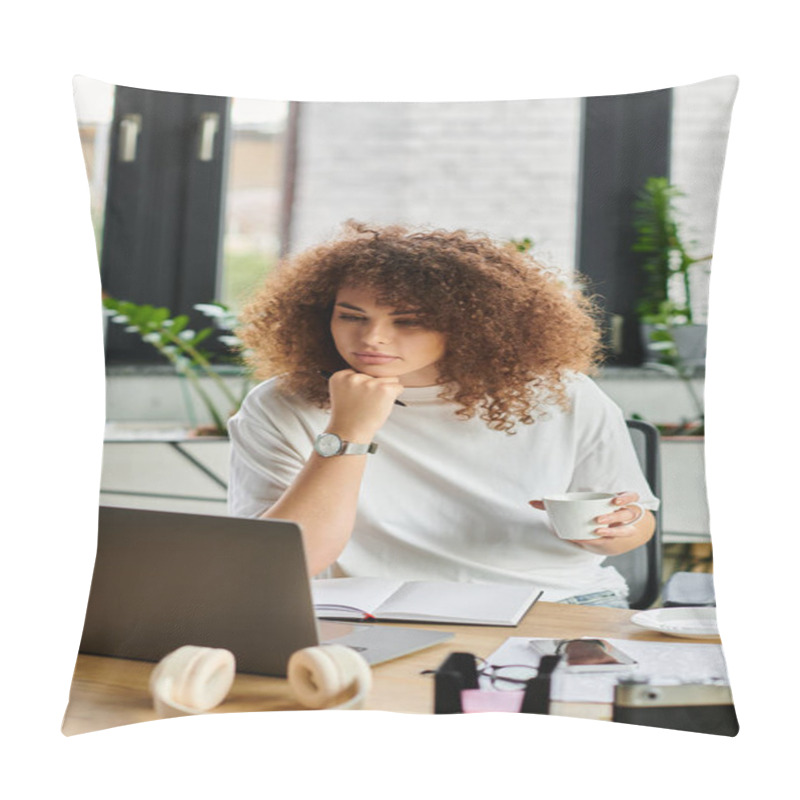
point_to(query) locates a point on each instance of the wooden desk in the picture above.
(107, 692)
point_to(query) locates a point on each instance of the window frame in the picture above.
(164, 211)
(625, 139)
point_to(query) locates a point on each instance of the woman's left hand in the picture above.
(616, 526)
(621, 522)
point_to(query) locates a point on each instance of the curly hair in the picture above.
(513, 327)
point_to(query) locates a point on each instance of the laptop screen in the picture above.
(164, 579)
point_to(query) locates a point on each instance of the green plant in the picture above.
(666, 300)
(666, 264)
(179, 344)
(523, 245)
(665, 259)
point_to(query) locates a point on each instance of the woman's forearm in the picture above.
(323, 501)
(324, 496)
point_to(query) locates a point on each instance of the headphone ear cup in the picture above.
(192, 680)
(329, 676)
(207, 680)
(357, 676)
(314, 677)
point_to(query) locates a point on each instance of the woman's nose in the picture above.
(377, 333)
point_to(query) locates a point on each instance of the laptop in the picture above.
(163, 579)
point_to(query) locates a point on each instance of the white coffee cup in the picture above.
(574, 514)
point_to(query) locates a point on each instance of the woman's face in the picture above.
(383, 341)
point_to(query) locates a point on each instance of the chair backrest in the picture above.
(641, 567)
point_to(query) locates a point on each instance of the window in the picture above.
(186, 196)
(254, 196)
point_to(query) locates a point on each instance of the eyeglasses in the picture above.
(504, 677)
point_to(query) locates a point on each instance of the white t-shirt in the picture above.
(445, 498)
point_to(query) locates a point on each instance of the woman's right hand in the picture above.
(360, 404)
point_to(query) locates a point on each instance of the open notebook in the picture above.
(422, 601)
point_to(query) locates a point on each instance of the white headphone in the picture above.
(329, 676)
(193, 680)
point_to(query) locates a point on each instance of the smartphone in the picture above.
(585, 655)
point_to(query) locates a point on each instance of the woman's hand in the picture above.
(618, 531)
(622, 522)
(360, 404)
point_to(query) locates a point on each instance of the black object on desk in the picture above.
(459, 672)
(696, 707)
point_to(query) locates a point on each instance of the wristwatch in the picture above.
(329, 444)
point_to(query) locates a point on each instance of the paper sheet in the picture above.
(658, 661)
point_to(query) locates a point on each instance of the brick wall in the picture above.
(509, 169)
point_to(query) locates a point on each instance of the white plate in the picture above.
(686, 623)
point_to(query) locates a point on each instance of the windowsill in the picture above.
(642, 373)
(610, 372)
(167, 370)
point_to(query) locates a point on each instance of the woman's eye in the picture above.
(405, 323)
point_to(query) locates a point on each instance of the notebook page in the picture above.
(470, 602)
(361, 593)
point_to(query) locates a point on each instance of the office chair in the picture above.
(641, 567)
(689, 589)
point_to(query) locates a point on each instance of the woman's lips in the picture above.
(374, 358)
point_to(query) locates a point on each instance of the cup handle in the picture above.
(641, 513)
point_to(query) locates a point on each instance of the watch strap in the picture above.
(353, 449)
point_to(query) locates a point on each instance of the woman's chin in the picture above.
(413, 378)
(374, 371)
(387, 370)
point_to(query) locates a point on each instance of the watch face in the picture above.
(328, 444)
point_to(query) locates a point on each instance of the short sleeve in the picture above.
(606, 459)
(269, 446)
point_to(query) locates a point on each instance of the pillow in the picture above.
(196, 198)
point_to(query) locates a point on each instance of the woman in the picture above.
(459, 362)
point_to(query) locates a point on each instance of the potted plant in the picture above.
(180, 346)
(670, 334)
(675, 344)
